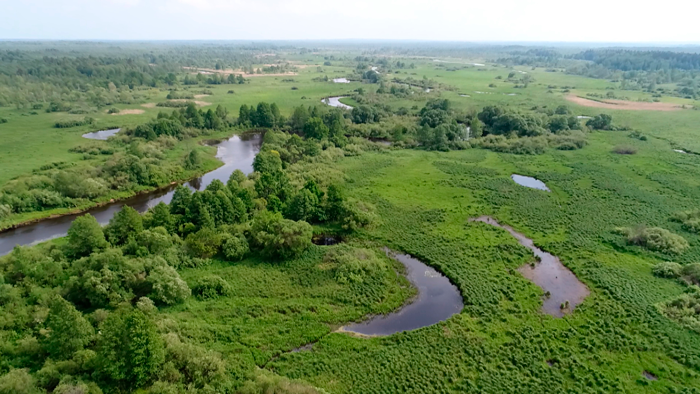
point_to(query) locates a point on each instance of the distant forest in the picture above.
(628, 60)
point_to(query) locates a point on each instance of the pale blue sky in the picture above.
(454, 20)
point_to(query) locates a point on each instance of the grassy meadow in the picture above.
(501, 342)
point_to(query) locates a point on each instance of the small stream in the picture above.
(437, 300)
(237, 153)
(563, 290)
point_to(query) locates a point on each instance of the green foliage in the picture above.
(315, 128)
(266, 383)
(74, 123)
(600, 122)
(690, 220)
(193, 161)
(67, 331)
(685, 310)
(667, 269)
(18, 381)
(358, 214)
(212, 287)
(655, 238)
(130, 349)
(204, 243)
(624, 150)
(85, 236)
(235, 247)
(277, 237)
(353, 265)
(166, 285)
(124, 224)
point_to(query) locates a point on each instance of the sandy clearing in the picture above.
(198, 102)
(149, 105)
(130, 112)
(201, 95)
(624, 105)
(236, 72)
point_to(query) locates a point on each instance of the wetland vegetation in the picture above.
(583, 277)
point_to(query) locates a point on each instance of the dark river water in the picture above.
(549, 274)
(237, 153)
(437, 300)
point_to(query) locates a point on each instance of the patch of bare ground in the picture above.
(198, 102)
(201, 95)
(196, 70)
(130, 112)
(149, 105)
(624, 105)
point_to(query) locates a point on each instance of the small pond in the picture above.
(563, 290)
(529, 182)
(437, 300)
(101, 135)
(340, 80)
(679, 151)
(335, 102)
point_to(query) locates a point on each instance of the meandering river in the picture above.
(437, 300)
(237, 153)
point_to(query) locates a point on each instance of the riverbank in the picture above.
(209, 164)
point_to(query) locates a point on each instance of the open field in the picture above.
(228, 302)
(624, 105)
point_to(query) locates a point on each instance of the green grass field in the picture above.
(501, 342)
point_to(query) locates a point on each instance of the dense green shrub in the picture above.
(277, 237)
(358, 214)
(353, 265)
(167, 287)
(235, 247)
(204, 243)
(667, 270)
(685, 310)
(211, 287)
(624, 150)
(690, 220)
(655, 238)
(74, 123)
(85, 236)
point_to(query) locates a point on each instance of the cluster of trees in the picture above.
(137, 158)
(439, 127)
(264, 115)
(654, 238)
(88, 75)
(176, 123)
(498, 120)
(214, 79)
(100, 290)
(74, 123)
(628, 60)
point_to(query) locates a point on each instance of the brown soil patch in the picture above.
(130, 112)
(201, 95)
(149, 105)
(624, 105)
